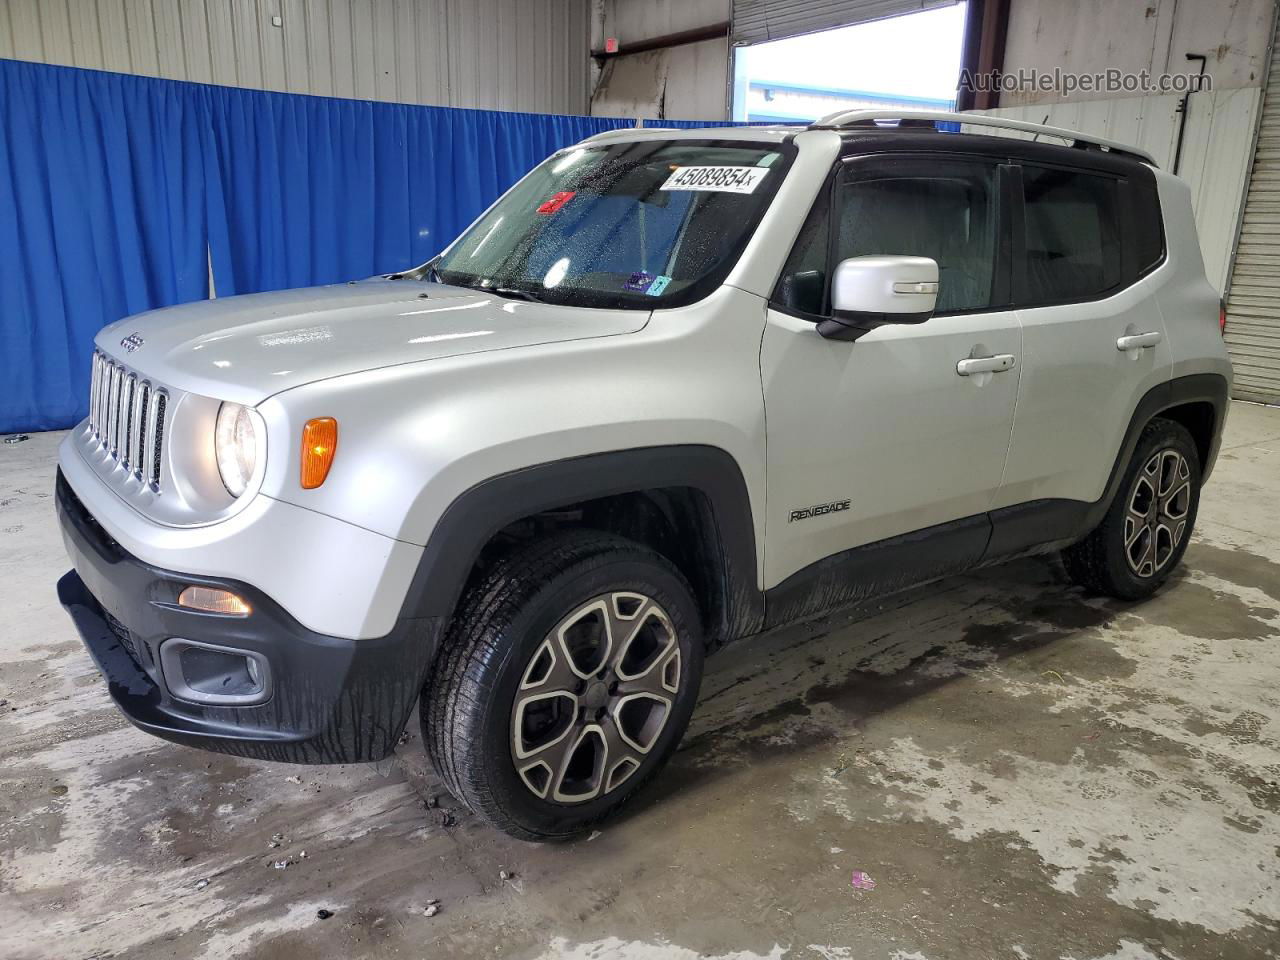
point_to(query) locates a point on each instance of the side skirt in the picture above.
(854, 576)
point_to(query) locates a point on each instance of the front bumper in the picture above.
(332, 700)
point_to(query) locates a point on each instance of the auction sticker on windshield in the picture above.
(719, 179)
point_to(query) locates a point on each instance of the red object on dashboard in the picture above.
(557, 201)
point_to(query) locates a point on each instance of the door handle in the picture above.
(1139, 341)
(997, 364)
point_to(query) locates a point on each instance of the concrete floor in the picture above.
(1023, 772)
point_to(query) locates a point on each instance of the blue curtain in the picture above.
(102, 214)
(117, 191)
(318, 190)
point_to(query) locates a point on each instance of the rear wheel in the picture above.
(1145, 532)
(567, 680)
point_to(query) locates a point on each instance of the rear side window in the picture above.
(1072, 231)
(1148, 226)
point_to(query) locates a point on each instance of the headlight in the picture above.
(235, 444)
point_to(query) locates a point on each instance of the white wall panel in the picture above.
(687, 82)
(1215, 150)
(697, 82)
(139, 24)
(499, 54)
(24, 21)
(1089, 36)
(633, 21)
(55, 29)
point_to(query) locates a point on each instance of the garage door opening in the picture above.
(910, 61)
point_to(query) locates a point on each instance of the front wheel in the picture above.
(1145, 532)
(566, 681)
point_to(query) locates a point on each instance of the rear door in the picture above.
(1094, 340)
(872, 439)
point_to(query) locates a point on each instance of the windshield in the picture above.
(642, 224)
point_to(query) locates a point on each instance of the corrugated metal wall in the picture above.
(502, 54)
(1215, 151)
(757, 21)
(1253, 307)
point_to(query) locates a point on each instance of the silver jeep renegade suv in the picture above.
(672, 389)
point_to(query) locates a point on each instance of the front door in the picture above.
(890, 434)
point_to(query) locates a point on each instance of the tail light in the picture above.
(1222, 317)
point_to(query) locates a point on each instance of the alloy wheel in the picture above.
(595, 697)
(1156, 520)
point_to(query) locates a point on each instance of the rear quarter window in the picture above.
(1148, 226)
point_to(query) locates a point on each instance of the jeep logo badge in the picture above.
(132, 342)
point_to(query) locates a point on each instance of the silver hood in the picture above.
(250, 347)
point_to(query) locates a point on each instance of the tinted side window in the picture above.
(939, 208)
(1148, 226)
(803, 285)
(1072, 235)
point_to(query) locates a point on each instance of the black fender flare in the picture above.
(1208, 388)
(476, 515)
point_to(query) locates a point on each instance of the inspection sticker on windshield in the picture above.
(719, 179)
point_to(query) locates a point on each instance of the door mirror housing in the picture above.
(867, 292)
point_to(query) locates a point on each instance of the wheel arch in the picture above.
(699, 489)
(1203, 421)
(1197, 401)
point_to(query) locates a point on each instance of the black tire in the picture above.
(506, 621)
(1115, 559)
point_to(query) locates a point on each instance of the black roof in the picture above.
(859, 140)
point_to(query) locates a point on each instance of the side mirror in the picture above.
(867, 292)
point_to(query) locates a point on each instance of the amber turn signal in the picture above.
(319, 443)
(213, 600)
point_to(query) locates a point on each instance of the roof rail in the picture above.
(623, 133)
(842, 119)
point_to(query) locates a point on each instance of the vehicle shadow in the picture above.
(872, 660)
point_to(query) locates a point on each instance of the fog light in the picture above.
(212, 600)
(207, 673)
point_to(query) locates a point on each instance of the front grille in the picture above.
(126, 415)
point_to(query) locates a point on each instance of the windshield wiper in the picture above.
(515, 294)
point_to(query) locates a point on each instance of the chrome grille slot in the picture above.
(157, 434)
(104, 385)
(113, 410)
(95, 381)
(126, 419)
(139, 455)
